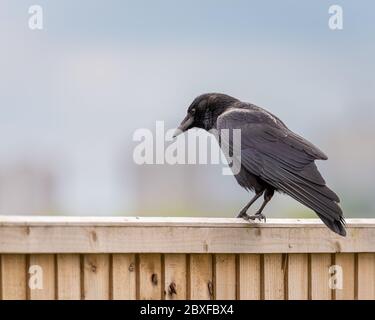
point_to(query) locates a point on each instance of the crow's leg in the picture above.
(267, 197)
(243, 213)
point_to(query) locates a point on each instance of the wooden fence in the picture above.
(183, 258)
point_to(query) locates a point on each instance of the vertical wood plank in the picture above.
(320, 263)
(150, 279)
(123, 277)
(201, 285)
(42, 277)
(346, 262)
(298, 276)
(96, 276)
(225, 277)
(274, 265)
(366, 276)
(175, 277)
(13, 277)
(249, 277)
(68, 277)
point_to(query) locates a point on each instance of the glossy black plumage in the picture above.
(272, 157)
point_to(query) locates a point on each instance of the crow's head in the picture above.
(204, 110)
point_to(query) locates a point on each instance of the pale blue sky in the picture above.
(73, 93)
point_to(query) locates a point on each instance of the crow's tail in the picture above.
(337, 226)
(316, 196)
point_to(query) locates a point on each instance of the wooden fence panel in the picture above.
(274, 276)
(150, 276)
(175, 283)
(366, 276)
(346, 261)
(69, 277)
(225, 277)
(13, 277)
(184, 258)
(124, 277)
(42, 284)
(96, 284)
(201, 277)
(298, 276)
(249, 277)
(320, 276)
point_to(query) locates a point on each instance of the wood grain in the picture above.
(249, 277)
(320, 289)
(175, 283)
(201, 277)
(346, 262)
(183, 258)
(13, 277)
(298, 276)
(68, 277)
(173, 235)
(274, 275)
(366, 276)
(150, 278)
(96, 277)
(124, 277)
(225, 277)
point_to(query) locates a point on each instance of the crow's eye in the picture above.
(192, 111)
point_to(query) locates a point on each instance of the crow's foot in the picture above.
(243, 215)
(257, 216)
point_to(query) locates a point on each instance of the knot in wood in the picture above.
(172, 288)
(154, 279)
(93, 267)
(131, 267)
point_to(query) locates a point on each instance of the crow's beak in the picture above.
(185, 125)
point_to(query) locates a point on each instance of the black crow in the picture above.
(272, 157)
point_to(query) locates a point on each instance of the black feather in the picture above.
(283, 160)
(271, 156)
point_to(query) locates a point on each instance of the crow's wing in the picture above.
(284, 160)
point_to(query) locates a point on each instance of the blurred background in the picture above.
(72, 95)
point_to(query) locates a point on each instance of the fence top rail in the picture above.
(106, 221)
(57, 234)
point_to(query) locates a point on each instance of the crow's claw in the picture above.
(257, 216)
